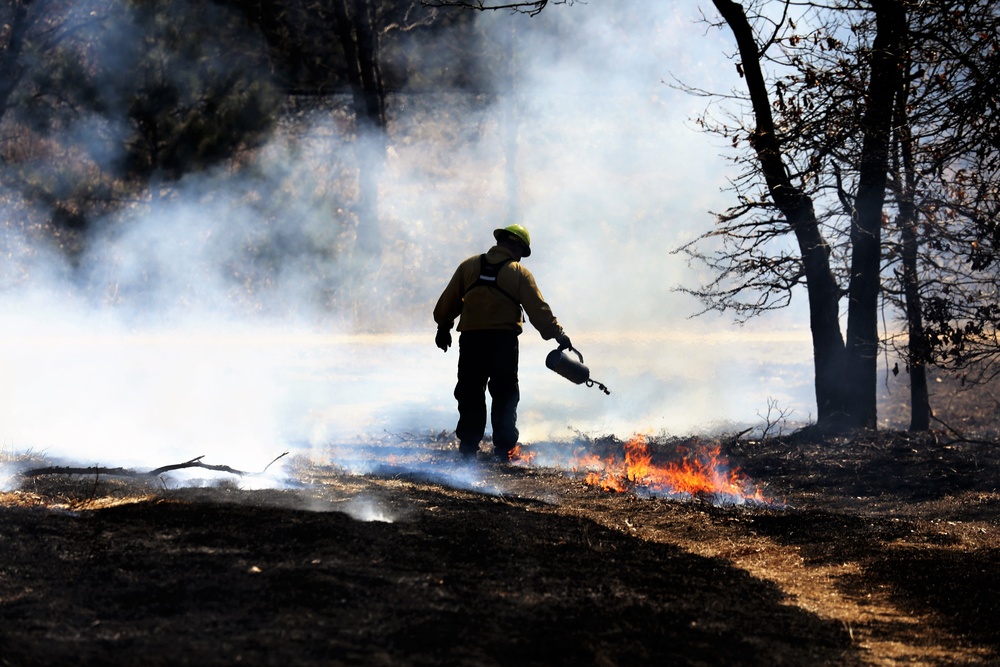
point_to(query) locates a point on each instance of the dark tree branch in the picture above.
(529, 8)
(126, 472)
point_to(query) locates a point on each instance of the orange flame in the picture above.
(695, 473)
(521, 457)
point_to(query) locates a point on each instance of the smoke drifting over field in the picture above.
(228, 318)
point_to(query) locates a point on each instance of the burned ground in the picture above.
(879, 549)
(462, 580)
(876, 549)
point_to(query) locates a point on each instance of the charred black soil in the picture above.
(884, 552)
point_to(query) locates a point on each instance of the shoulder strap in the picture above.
(488, 273)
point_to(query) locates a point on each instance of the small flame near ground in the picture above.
(520, 456)
(690, 471)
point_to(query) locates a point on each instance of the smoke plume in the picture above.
(228, 316)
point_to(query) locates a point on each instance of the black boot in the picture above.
(468, 451)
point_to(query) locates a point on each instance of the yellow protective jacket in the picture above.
(488, 308)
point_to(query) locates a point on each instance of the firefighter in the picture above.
(487, 295)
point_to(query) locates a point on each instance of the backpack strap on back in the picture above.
(488, 277)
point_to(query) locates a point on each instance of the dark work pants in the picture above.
(487, 359)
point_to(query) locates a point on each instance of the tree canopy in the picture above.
(862, 121)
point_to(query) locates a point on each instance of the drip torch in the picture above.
(569, 368)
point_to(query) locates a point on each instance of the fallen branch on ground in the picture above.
(156, 472)
(959, 436)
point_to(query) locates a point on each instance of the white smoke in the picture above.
(362, 508)
(221, 321)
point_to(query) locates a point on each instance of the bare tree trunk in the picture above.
(917, 346)
(358, 34)
(797, 207)
(866, 228)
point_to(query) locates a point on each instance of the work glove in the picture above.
(443, 339)
(563, 340)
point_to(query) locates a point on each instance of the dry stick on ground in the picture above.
(125, 472)
(736, 436)
(960, 437)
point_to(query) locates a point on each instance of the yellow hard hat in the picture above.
(518, 231)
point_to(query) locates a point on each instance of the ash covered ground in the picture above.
(877, 549)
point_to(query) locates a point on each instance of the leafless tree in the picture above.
(880, 115)
(778, 194)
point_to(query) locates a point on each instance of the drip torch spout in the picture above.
(574, 371)
(600, 385)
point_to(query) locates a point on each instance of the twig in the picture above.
(194, 463)
(66, 470)
(283, 454)
(959, 436)
(737, 436)
(779, 421)
(156, 472)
